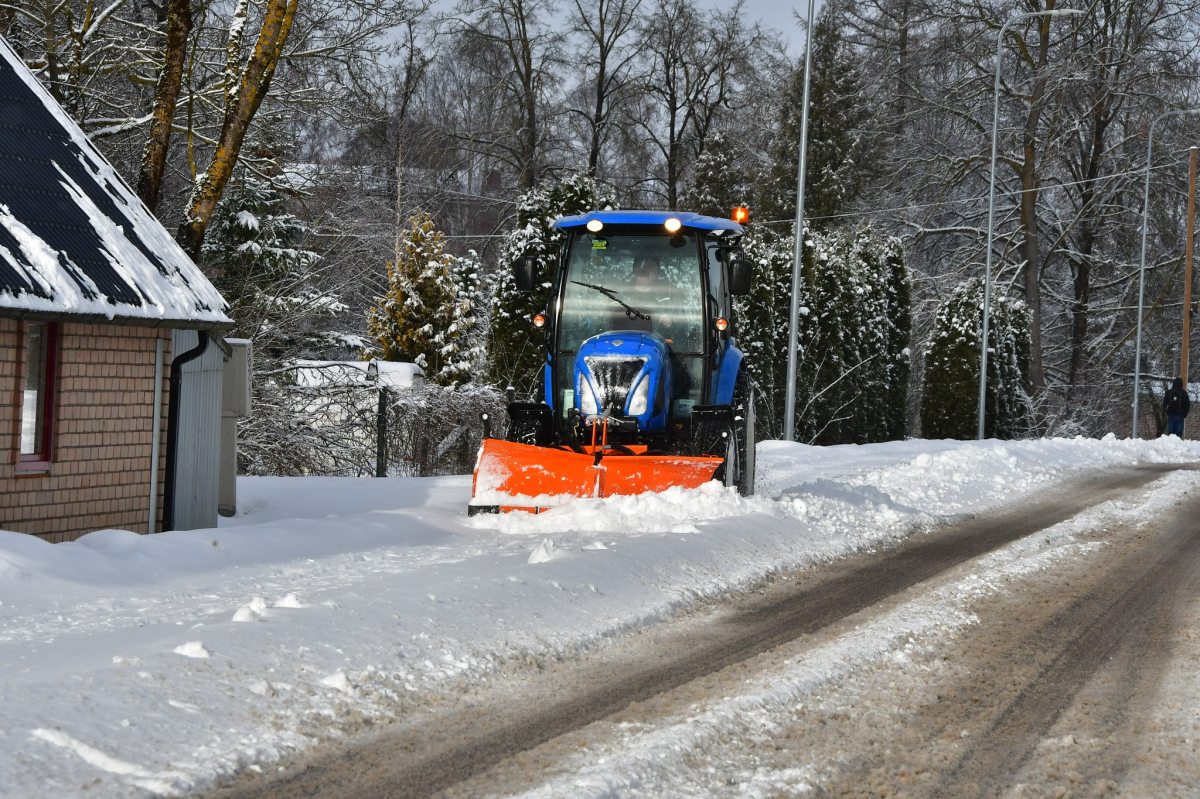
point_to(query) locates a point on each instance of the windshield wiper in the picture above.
(630, 311)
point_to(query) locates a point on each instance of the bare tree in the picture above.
(604, 26)
(691, 76)
(513, 42)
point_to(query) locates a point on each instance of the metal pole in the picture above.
(1137, 358)
(987, 269)
(789, 403)
(381, 434)
(1187, 269)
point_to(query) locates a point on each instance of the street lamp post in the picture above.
(789, 403)
(1137, 358)
(987, 272)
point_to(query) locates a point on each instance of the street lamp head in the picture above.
(372, 370)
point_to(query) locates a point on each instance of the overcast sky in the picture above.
(777, 14)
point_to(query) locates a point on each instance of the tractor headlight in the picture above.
(640, 401)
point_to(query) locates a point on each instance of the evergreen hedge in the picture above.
(949, 403)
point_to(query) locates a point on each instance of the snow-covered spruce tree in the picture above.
(950, 400)
(425, 318)
(256, 249)
(515, 350)
(722, 177)
(839, 116)
(470, 276)
(852, 338)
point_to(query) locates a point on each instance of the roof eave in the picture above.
(210, 325)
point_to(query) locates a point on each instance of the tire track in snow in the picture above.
(420, 761)
(1122, 626)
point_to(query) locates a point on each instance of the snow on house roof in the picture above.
(75, 241)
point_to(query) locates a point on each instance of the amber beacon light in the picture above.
(741, 215)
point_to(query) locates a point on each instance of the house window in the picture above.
(37, 397)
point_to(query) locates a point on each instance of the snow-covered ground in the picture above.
(131, 664)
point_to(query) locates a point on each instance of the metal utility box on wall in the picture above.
(196, 474)
(235, 404)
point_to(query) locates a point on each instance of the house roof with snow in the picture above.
(76, 243)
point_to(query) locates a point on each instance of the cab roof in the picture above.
(689, 220)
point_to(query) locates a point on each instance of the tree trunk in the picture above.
(1087, 240)
(244, 94)
(902, 70)
(166, 95)
(1029, 221)
(529, 171)
(598, 115)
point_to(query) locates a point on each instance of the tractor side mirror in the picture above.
(525, 273)
(741, 274)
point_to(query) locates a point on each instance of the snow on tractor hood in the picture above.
(625, 373)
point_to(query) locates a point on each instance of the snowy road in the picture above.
(1037, 660)
(335, 613)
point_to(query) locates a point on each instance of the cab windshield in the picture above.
(633, 282)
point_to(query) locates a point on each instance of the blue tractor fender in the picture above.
(726, 375)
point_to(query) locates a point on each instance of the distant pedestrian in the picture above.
(1177, 404)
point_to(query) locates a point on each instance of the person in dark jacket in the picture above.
(1177, 404)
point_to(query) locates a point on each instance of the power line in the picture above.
(966, 200)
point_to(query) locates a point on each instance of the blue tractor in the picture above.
(643, 385)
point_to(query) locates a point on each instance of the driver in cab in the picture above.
(655, 294)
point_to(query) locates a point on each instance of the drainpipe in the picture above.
(173, 401)
(155, 435)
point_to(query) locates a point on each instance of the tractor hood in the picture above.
(625, 373)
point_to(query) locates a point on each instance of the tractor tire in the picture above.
(741, 448)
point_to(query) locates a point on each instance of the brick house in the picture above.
(92, 291)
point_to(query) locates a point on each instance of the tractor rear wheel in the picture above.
(742, 446)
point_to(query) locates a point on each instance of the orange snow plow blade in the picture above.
(511, 476)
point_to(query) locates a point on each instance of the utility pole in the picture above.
(1187, 270)
(789, 401)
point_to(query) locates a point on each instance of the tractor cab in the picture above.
(641, 358)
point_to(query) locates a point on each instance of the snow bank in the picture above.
(326, 600)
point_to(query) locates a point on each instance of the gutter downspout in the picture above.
(173, 401)
(155, 436)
